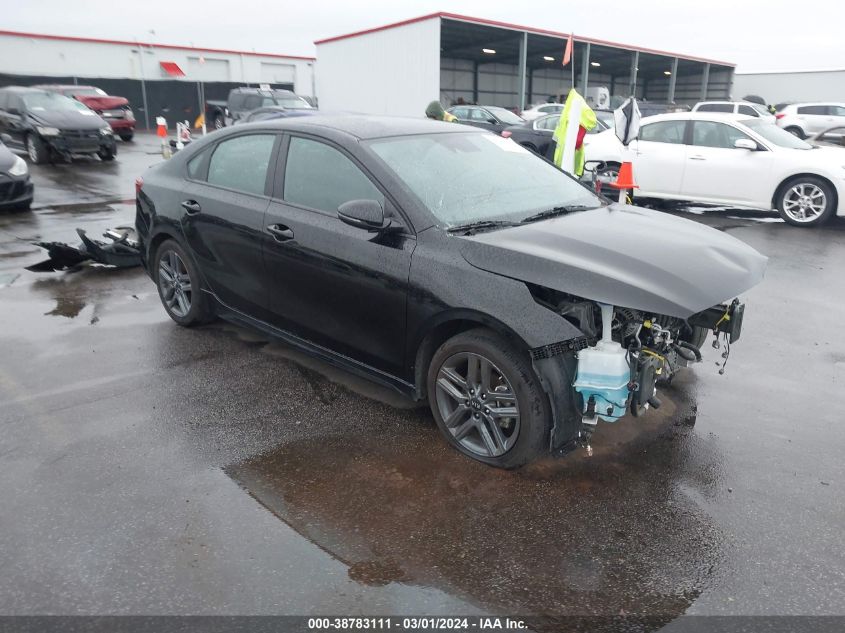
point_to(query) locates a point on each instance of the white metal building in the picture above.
(796, 86)
(399, 68)
(32, 54)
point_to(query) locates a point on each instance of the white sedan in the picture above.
(730, 159)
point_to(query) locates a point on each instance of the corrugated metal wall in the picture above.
(395, 71)
(826, 85)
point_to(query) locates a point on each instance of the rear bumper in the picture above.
(122, 125)
(15, 192)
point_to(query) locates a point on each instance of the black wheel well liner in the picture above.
(782, 185)
(445, 328)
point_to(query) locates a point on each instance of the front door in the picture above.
(224, 202)
(328, 282)
(659, 159)
(716, 171)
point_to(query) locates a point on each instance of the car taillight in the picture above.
(779, 116)
(139, 182)
(506, 133)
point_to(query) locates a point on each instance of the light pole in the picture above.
(143, 84)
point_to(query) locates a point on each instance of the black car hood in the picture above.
(625, 256)
(67, 119)
(7, 159)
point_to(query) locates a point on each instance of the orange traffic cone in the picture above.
(625, 178)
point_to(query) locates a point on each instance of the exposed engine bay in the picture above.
(626, 354)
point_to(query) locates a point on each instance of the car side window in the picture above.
(268, 101)
(241, 163)
(813, 109)
(744, 109)
(461, 113)
(837, 110)
(252, 102)
(477, 114)
(548, 123)
(713, 134)
(715, 107)
(237, 101)
(195, 166)
(321, 177)
(664, 132)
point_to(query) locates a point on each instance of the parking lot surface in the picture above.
(151, 469)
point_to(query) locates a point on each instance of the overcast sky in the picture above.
(754, 34)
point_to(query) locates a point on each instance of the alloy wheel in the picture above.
(477, 404)
(804, 202)
(174, 283)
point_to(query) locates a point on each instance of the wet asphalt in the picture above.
(151, 469)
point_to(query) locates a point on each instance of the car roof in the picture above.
(698, 116)
(23, 89)
(62, 86)
(366, 127)
(742, 101)
(813, 103)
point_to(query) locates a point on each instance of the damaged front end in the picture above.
(616, 367)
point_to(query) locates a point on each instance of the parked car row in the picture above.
(49, 125)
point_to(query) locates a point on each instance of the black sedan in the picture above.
(15, 186)
(537, 135)
(492, 118)
(450, 264)
(47, 124)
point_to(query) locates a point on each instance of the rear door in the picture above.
(660, 158)
(716, 171)
(226, 194)
(815, 117)
(335, 285)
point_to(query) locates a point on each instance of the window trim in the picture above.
(209, 152)
(278, 186)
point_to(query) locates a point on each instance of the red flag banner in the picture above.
(567, 54)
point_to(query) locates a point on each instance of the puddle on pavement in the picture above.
(615, 534)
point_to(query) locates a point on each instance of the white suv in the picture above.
(735, 107)
(542, 109)
(805, 119)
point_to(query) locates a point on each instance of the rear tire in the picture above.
(487, 401)
(796, 131)
(179, 286)
(126, 138)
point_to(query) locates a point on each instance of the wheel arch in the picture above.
(782, 185)
(443, 327)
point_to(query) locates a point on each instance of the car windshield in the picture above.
(464, 178)
(293, 102)
(89, 92)
(505, 116)
(776, 135)
(49, 101)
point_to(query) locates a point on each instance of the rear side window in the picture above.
(195, 166)
(664, 132)
(321, 177)
(837, 110)
(477, 114)
(813, 109)
(241, 163)
(715, 107)
(744, 109)
(549, 123)
(461, 113)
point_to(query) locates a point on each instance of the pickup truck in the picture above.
(219, 114)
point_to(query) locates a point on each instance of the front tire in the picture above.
(37, 149)
(127, 137)
(806, 201)
(107, 154)
(487, 401)
(178, 283)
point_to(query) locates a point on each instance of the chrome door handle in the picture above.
(280, 232)
(191, 206)
(697, 157)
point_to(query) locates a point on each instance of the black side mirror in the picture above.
(363, 214)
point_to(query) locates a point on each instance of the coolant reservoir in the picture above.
(603, 373)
